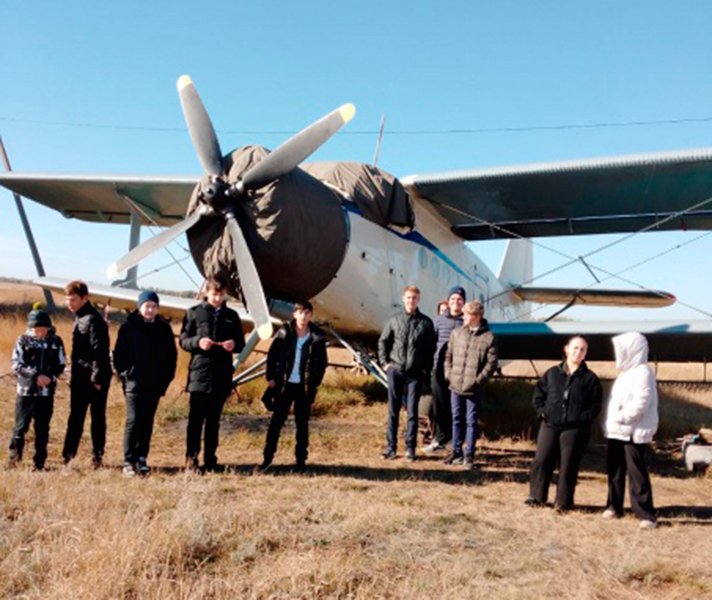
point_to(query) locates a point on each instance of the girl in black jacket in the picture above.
(567, 399)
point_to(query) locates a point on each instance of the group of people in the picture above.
(456, 354)
(145, 358)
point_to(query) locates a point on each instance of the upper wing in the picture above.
(602, 195)
(103, 198)
(596, 297)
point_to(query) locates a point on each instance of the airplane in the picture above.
(350, 236)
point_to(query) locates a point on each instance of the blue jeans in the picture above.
(398, 386)
(465, 411)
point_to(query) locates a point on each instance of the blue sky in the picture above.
(90, 87)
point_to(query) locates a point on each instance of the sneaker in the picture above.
(265, 466)
(469, 462)
(410, 455)
(192, 467)
(533, 502)
(434, 447)
(143, 468)
(97, 461)
(647, 524)
(129, 470)
(388, 455)
(609, 513)
(454, 459)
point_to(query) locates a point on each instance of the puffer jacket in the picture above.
(470, 358)
(568, 399)
(280, 358)
(632, 412)
(90, 346)
(210, 371)
(145, 355)
(408, 344)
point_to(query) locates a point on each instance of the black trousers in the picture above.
(628, 457)
(40, 409)
(85, 396)
(442, 410)
(140, 411)
(293, 392)
(566, 445)
(398, 386)
(205, 410)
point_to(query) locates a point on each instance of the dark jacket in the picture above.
(211, 371)
(408, 343)
(445, 324)
(145, 355)
(564, 399)
(470, 358)
(32, 357)
(312, 365)
(90, 346)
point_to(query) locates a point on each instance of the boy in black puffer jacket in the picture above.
(38, 360)
(145, 359)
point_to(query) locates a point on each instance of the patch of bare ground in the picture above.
(353, 527)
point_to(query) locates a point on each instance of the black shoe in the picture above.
(533, 502)
(300, 467)
(192, 466)
(97, 461)
(265, 466)
(388, 455)
(143, 469)
(410, 455)
(214, 468)
(454, 459)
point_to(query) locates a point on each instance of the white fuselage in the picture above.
(381, 261)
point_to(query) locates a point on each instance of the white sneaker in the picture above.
(434, 447)
(646, 524)
(128, 471)
(609, 513)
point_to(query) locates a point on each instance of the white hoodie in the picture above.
(632, 413)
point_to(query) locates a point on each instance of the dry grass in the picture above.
(355, 527)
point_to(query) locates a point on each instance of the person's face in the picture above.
(215, 297)
(442, 307)
(40, 332)
(74, 301)
(471, 319)
(302, 317)
(575, 351)
(410, 301)
(455, 304)
(148, 310)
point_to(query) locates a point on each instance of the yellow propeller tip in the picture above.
(184, 81)
(347, 112)
(112, 272)
(265, 331)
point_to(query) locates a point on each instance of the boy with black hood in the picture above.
(296, 363)
(145, 359)
(38, 360)
(211, 333)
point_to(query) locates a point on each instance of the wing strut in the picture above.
(28, 233)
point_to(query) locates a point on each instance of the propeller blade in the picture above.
(200, 127)
(249, 280)
(297, 148)
(151, 245)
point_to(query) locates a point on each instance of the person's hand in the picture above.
(205, 343)
(43, 380)
(97, 386)
(271, 383)
(229, 345)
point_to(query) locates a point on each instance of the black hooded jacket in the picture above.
(563, 399)
(280, 359)
(145, 355)
(211, 370)
(90, 347)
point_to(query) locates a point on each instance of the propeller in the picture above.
(220, 196)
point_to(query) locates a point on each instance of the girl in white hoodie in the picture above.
(630, 424)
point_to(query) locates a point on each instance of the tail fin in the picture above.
(517, 266)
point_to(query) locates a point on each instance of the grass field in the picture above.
(353, 527)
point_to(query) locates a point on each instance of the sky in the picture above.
(90, 87)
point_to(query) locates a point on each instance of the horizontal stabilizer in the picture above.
(598, 297)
